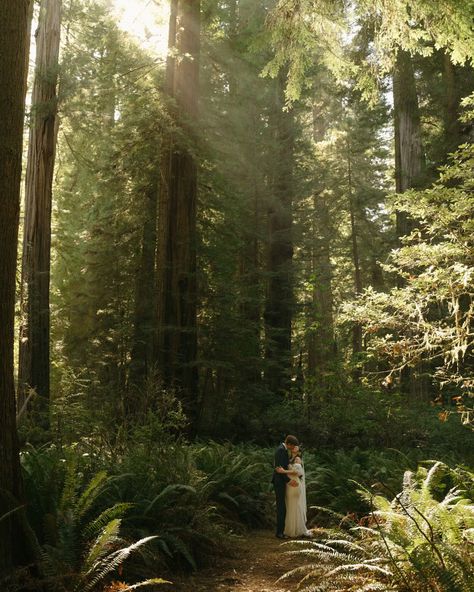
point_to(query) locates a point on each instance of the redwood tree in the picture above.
(176, 346)
(279, 301)
(141, 358)
(320, 319)
(357, 329)
(34, 332)
(13, 48)
(409, 168)
(409, 158)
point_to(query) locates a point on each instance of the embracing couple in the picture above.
(290, 490)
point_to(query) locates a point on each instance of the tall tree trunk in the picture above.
(176, 348)
(320, 341)
(28, 36)
(163, 248)
(409, 170)
(321, 333)
(409, 158)
(141, 363)
(458, 81)
(13, 48)
(249, 274)
(357, 329)
(279, 300)
(34, 363)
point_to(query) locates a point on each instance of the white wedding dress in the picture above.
(295, 522)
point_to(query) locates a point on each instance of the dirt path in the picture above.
(258, 563)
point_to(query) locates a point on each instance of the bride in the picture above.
(295, 522)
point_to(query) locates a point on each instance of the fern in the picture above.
(116, 511)
(179, 547)
(99, 569)
(101, 547)
(151, 582)
(89, 496)
(70, 486)
(10, 512)
(415, 542)
(165, 496)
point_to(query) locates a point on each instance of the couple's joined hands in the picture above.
(283, 471)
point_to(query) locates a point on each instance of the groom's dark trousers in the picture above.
(279, 484)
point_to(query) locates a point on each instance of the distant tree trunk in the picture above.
(409, 157)
(320, 340)
(14, 547)
(163, 206)
(28, 36)
(279, 300)
(161, 352)
(357, 345)
(141, 363)
(34, 333)
(249, 274)
(321, 333)
(176, 347)
(458, 81)
(249, 271)
(409, 171)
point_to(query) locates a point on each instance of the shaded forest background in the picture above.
(289, 221)
(267, 231)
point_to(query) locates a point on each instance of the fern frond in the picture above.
(376, 587)
(310, 568)
(178, 547)
(92, 529)
(360, 567)
(92, 491)
(326, 547)
(165, 494)
(103, 544)
(9, 513)
(227, 497)
(98, 571)
(151, 582)
(350, 545)
(328, 511)
(433, 477)
(71, 484)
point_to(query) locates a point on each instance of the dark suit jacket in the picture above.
(280, 459)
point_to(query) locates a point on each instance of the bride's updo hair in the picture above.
(299, 455)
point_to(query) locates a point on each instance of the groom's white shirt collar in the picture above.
(285, 445)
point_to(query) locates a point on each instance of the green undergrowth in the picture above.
(143, 508)
(420, 539)
(146, 510)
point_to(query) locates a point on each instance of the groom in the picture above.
(282, 455)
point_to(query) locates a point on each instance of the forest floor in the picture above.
(257, 563)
